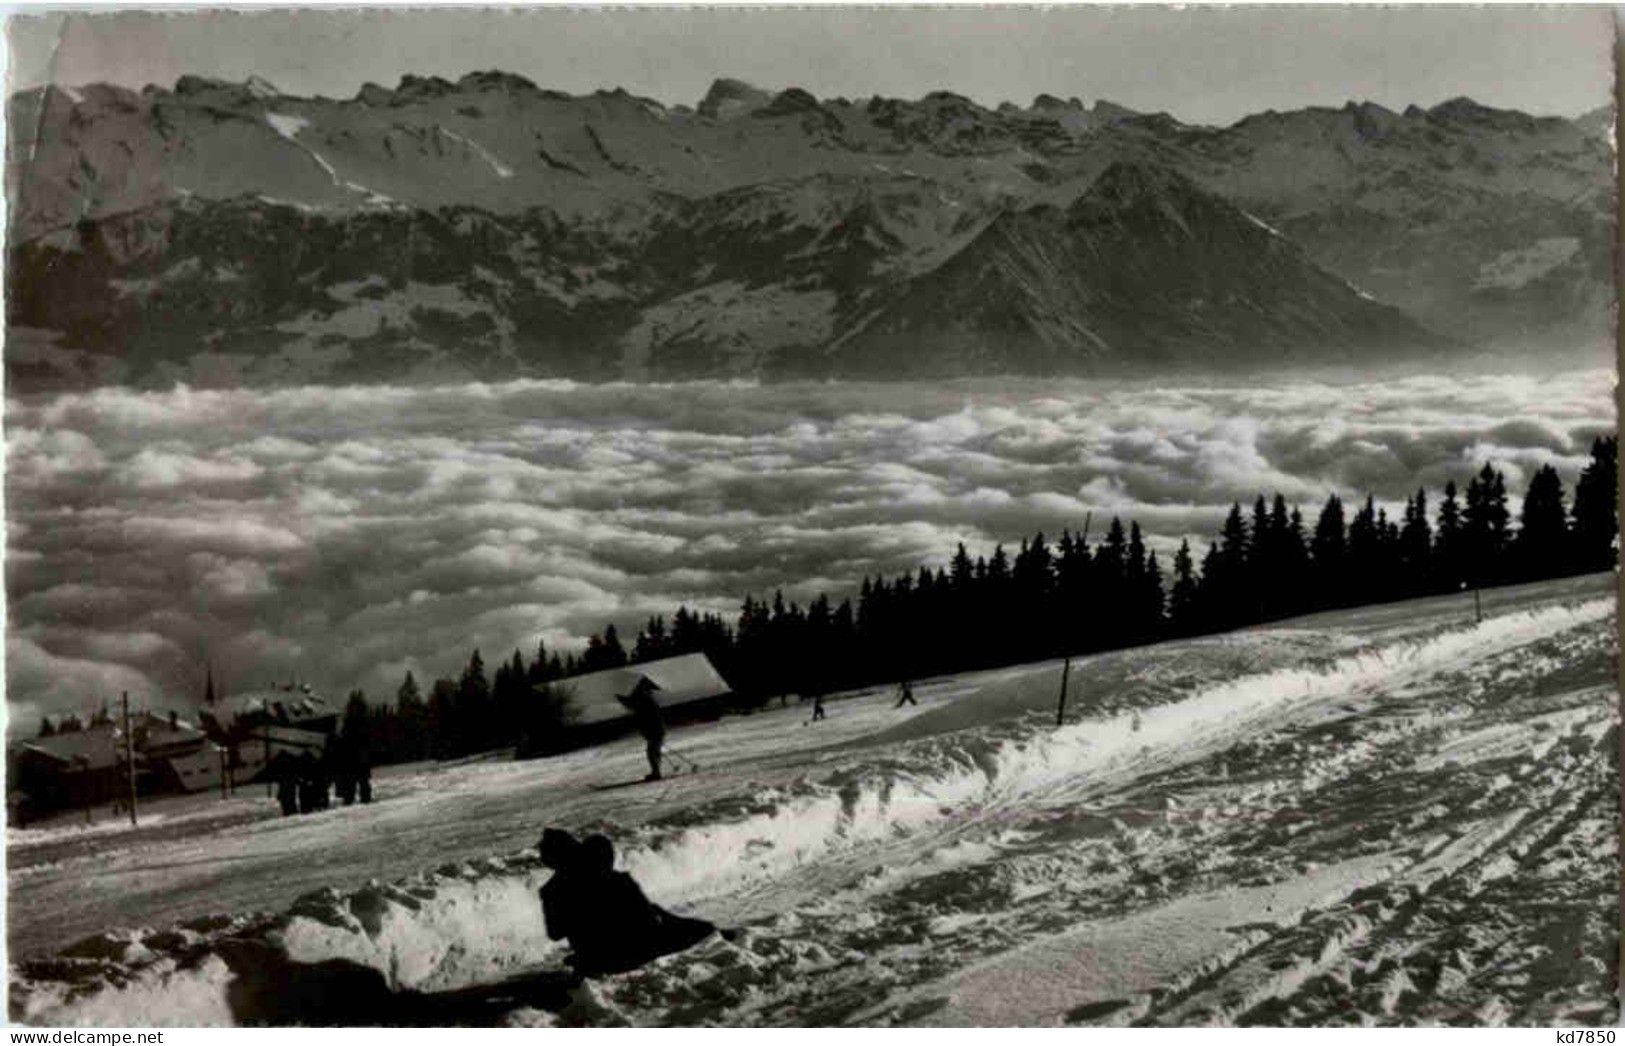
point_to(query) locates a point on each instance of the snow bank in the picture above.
(464, 924)
(477, 922)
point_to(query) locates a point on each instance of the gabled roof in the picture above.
(155, 732)
(680, 680)
(280, 704)
(89, 749)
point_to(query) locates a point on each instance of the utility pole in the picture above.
(1066, 668)
(129, 751)
(1060, 712)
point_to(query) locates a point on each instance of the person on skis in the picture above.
(906, 696)
(646, 715)
(818, 707)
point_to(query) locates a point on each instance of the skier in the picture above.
(646, 714)
(907, 698)
(818, 707)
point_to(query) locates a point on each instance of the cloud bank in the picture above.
(346, 535)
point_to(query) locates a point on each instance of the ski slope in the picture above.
(1384, 816)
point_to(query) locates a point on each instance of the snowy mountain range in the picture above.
(223, 233)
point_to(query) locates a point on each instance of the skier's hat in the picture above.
(643, 685)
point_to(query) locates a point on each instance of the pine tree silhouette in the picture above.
(1542, 543)
(1328, 550)
(1184, 616)
(1596, 494)
(1450, 544)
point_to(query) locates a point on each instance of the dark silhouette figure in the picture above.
(287, 788)
(646, 715)
(313, 783)
(561, 894)
(818, 707)
(305, 771)
(344, 784)
(906, 696)
(603, 914)
(363, 778)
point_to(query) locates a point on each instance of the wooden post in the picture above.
(1478, 608)
(223, 792)
(129, 751)
(1060, 712)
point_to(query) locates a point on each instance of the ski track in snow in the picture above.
(1414, 827)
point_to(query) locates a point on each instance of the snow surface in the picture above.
(289, 128)
(1372, 817)
(502, 170)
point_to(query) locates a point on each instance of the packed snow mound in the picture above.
(964, 807)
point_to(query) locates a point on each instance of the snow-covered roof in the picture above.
(97, 747)
(156, 732)
(680, 680)
(89, 749)
(284, 704)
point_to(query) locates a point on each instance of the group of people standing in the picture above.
(307, 782)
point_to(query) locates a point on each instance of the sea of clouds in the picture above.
(344, 536)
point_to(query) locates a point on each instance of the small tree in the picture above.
(545, 720)
(1182, 599)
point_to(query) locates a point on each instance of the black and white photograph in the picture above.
(844, 516)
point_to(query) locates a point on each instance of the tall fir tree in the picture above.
(1183, 608)
(1542, 548)
(1328, 551)
(1596, 507)
(1416, 546)
(1449, 544)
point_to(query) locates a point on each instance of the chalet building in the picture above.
(81, 768)
(179, 756)
(260, 727)
(88, 767)
(687, 689)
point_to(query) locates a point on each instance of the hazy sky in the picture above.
(1203, 65)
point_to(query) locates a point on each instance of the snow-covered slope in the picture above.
(1357, 818)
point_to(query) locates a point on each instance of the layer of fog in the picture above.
(344, 536)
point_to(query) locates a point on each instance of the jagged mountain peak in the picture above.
(1105, 109)
(728, 98)
(775, 239)
(1465, 112)
(260, 87)
(1130, 181)
(496, 80)
(1367, 108)
(1461, 105)
(424, 87)
(788, 101)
